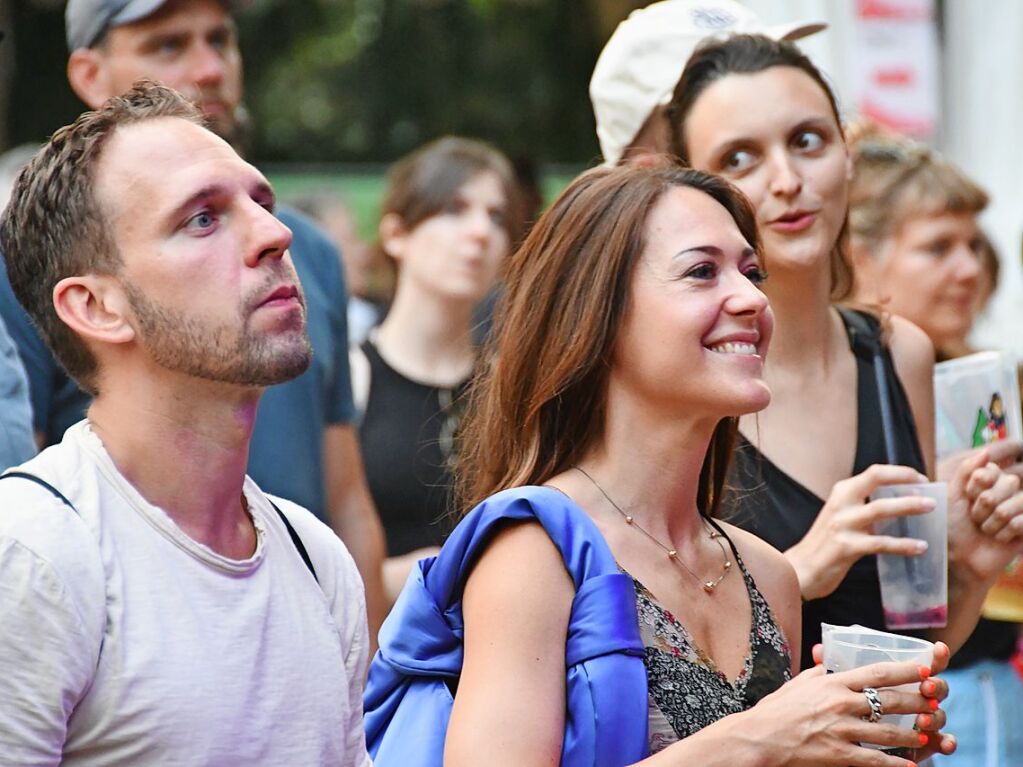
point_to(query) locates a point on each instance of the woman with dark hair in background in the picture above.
(918, 250)
(445, 223)
(756, 111)
(591, 609)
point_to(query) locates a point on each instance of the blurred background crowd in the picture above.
(425, 137)
(337, 90)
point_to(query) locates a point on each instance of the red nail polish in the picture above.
(926, 720)
(934, 704)
(924, 672)
(928, 688)
(910, 764)
(923, 739)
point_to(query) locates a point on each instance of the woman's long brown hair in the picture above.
(538, 402)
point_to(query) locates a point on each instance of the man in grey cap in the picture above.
(304, 447)
(189, 45)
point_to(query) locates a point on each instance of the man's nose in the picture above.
(269, 238)
(208, 65)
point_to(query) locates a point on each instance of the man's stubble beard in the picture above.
(222, 353)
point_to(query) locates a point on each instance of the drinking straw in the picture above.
(913, 573)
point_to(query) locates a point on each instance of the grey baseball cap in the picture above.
(85, 21)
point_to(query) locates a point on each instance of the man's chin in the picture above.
(286, 365)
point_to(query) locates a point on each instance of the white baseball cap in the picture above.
(643, 60)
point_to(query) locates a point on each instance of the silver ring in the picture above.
(874, 701)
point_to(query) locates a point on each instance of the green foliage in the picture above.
(355, 80)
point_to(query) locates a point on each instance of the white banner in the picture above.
(896, 65)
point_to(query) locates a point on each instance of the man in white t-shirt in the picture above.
(156, 608)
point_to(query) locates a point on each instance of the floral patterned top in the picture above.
(687, 692)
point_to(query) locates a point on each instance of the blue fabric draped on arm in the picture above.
(408, 700)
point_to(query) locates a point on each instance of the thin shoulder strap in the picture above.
(297, 541)
(866, 335)
(713, 523)
(42, 483)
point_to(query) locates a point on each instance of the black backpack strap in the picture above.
(297, 541)
(42, 483)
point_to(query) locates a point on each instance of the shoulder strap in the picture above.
(297, 541)
(865, 334)
(42, 483)
(864, 331)
(291, 530)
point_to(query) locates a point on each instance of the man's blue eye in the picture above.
(201, 220)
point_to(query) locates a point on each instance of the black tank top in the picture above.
(769, 503)
(406, 435)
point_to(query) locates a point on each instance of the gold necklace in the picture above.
(673, 556)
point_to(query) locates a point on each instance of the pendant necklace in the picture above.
(672, 554)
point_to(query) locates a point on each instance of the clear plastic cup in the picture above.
(849, 647)
(914, 589)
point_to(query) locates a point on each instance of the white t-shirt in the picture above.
(125, 642)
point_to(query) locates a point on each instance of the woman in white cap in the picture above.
(756, 111)
(641, 62)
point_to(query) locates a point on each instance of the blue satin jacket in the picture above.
(408, 701)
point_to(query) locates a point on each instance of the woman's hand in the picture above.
(985, 518)
(819, 720)
(1007, 453)
(842, 532)
(934, 690)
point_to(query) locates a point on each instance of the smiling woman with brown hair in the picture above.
(590, 609)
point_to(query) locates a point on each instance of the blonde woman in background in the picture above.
(918, 250)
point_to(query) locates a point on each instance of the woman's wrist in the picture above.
(805, 573)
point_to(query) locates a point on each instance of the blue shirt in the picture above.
(286, 454)
(16, 442)
(286, 457)
(57, 402)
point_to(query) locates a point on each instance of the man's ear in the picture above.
(392, 235)
(95, 307)
(86, 71)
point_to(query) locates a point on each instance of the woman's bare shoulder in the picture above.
(522, 571)
(758, 554)
(911, 348)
